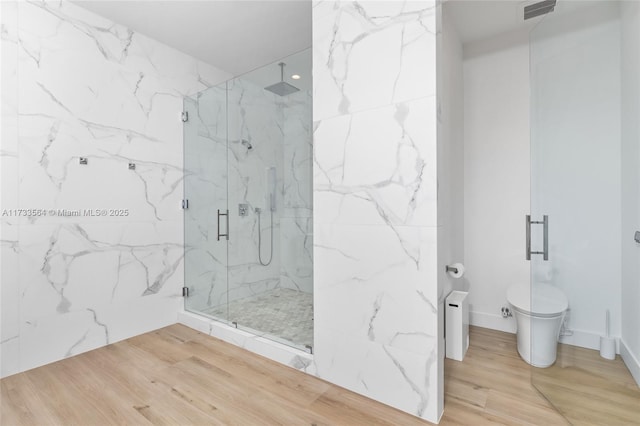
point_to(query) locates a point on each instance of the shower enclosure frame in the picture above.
(227, 134)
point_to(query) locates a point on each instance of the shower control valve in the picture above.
(243, 209)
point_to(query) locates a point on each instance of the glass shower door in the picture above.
(576, 183)
(205, 190)
(248, 225)
(270, 288)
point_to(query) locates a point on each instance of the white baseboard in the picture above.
(583, 339)
(633, 364)
(586, 339)
(494, 322)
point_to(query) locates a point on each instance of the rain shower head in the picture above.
(282, 88)
(539, 8)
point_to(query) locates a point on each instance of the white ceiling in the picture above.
(234, 35)
(299, 64)
(482, 19)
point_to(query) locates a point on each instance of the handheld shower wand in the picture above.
(271, 200)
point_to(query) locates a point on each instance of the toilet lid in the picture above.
(547, 299)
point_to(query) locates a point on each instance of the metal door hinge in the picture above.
(185, 291)
(185, 116)
(185, 204)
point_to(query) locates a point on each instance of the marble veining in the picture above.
(375, 201)
(360, 45)
(88, 88)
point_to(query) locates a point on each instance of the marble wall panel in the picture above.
(89, 88)
(375, 201)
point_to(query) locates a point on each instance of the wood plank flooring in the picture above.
(589, 390)
(493, 385)
(177, 376)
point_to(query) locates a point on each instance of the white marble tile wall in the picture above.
(298, 155)
(256, 116)
(9, 248)
(375, 201)
(296, 225)
(89, 88)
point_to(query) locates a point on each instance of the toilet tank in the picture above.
(456, 325)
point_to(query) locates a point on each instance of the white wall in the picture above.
(375, 197)
(496, 173)
(576, 86)
(89, 88)
(450, 166)
(450, 152)
(630, 339)
(575, 82)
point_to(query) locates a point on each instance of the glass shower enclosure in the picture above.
(584, 186)
(248, 202)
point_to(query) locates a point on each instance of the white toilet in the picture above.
(540, 321)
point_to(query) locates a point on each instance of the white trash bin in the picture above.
(457, 325)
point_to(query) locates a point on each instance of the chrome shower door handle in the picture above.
(226, 234)
(528, 228)
(545, 237)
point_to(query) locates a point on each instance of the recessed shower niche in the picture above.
(248, 182)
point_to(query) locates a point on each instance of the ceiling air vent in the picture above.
(539, 8)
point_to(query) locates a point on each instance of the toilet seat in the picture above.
(548, 300)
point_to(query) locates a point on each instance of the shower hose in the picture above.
(260, 240)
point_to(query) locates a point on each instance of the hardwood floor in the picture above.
(178, 376)
(493, 385)
(588, 390)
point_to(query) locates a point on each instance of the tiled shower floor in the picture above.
(284, 313)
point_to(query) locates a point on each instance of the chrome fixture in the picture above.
(243, 209)
(246, 143)
(545, 237)
(226, 234)
(451, 269)
(282, 88)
